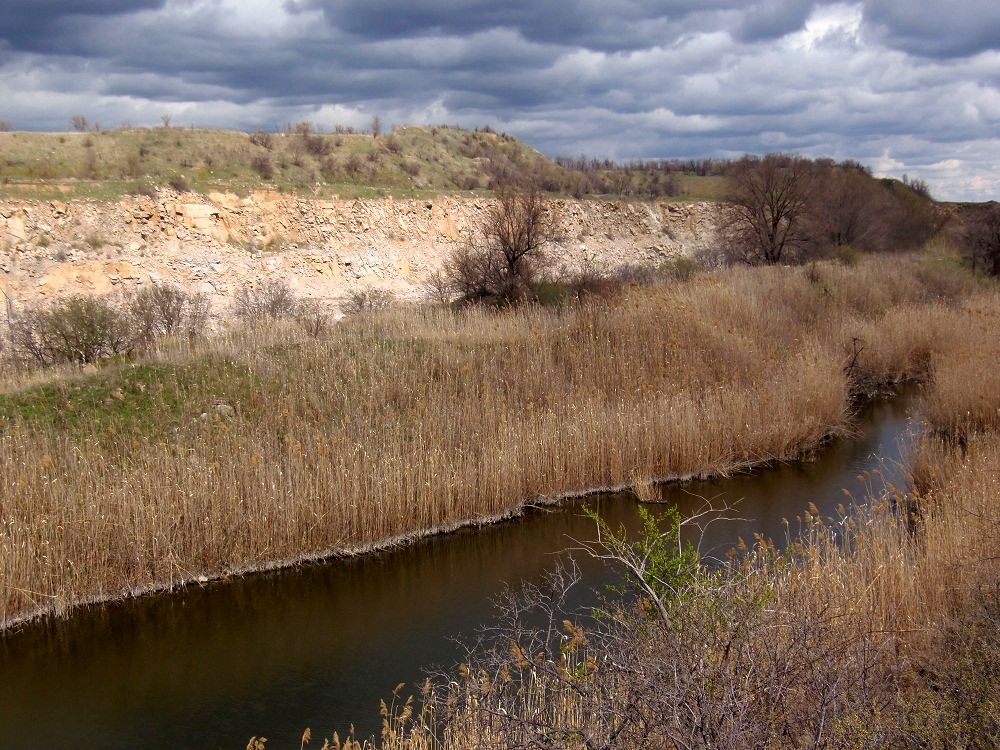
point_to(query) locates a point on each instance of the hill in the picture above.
(409, 162)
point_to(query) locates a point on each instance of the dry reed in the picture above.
(406, 421)
(852, 630)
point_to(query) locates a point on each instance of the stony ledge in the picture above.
(324, 249)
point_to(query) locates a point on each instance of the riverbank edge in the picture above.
(872, 393)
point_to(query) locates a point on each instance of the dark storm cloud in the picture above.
(937, 29)
(31, 25)
(903, 88)
(596, 24)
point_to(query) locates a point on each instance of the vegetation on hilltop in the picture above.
(409, 161)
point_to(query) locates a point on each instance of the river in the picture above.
(318, 646)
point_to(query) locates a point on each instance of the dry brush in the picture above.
(269, 446)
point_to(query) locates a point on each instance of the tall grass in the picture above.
(876, 629)
(265, 447)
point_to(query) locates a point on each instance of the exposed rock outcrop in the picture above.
(323, 249)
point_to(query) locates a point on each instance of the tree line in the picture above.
(783, 208)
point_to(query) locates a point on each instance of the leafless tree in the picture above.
(313, 317)
(982, 238)
(764, 218)
(500, 263)
(79, 123)
(846, 207)
(438, 288)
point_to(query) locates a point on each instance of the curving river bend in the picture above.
(319, 646)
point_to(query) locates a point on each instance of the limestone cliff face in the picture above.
(324, 250)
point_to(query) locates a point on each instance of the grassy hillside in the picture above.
(411, 161)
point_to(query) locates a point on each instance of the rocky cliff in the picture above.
(324, 250)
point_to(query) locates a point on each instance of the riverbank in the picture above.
(876, 629)
(262, 446)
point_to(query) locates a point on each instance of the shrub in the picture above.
(144, 188)
(846, 255)
(368, 300)
(262, 138)
(95, 240)
(262, 165)
(270, 301)
(80, 329)
(353, 165)
(132, 165)
(165, 310)
(329, 168)
(312, 142)
(179, 183)
(680, 267)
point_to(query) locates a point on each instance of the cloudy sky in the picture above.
(905, 87)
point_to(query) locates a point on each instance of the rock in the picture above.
(330, 248)
(15, 228)
(224, 410)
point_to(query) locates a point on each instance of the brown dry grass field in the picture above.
(877, 629)
(416, 419)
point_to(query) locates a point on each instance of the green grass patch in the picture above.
(131, 399)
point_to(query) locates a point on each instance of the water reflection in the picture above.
(318, 646)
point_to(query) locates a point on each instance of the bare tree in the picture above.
(846, 207)
(376, 127)
(764, 219)
(438, 288)
(982, 238)
(79, 123)
(501, 262)
(313, 317)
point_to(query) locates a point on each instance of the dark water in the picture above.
(318, 646)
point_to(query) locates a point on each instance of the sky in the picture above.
(906, 87)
